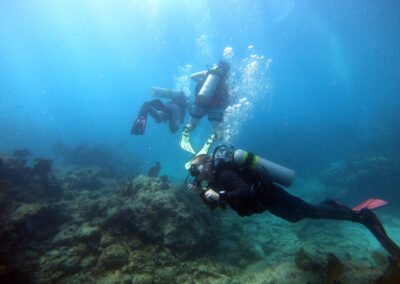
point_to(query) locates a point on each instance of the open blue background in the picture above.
(79, 70)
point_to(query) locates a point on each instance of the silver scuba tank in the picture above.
(278, 173)
(210, 85)
(164, 93)
(198, 76)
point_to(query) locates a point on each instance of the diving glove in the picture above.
(211, 195)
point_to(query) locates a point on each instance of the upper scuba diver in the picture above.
(173, 111)
(211, 98)
(248, 184)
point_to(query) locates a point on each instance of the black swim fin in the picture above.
(365, 216)
(139, 126)
(369, 220)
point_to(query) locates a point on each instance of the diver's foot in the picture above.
(139, 126)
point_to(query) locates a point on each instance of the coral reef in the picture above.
(96, 157)
(27, 216)
(89, 178)
(92, 233)
(22, 153)
(42, 167)
(21, 183)
(153, 171)
(104, 229)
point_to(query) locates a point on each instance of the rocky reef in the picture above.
(87, 225)
(132, 229)
(364, 176)
(83, 156)
(97, 227)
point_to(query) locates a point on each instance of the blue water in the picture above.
(78, 71)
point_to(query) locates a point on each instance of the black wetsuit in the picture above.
(247, 194)
(173, 111)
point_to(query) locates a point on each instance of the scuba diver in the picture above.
(211, 98)
(173, 111)
(248, 184)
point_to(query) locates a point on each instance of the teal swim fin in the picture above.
(185, 141)
(204, 150)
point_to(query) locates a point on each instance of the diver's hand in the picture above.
(192, 187)
(211, 195)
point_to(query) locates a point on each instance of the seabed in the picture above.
(69, 224)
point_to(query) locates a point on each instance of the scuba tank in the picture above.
(198, 76)
(164, 93)
(214, 76)
(278, 173)
(248, 161)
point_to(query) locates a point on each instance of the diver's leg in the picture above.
(294, 209)
(216, 117)
(144, 110)
(173, 126)
(196, 114)
(192, 124)
(139, 126)
(158, 110)
(174, 114)
(158, 105)
(218, 127)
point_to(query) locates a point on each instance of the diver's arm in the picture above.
(237, 190)
(201, 192)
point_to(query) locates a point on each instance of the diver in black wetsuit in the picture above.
(173, 112)
(250, 193)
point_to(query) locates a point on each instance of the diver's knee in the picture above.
(191, 125)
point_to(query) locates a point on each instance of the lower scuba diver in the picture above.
(211, 99)
(249, 185)
(172, 111)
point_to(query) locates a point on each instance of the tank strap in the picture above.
(254, 162)
(248, 160)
